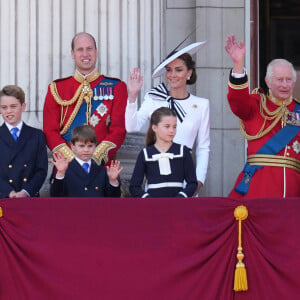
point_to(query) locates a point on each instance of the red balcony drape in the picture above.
(72, 248)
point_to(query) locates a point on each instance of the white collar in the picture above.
(10, 127)
(81, 162)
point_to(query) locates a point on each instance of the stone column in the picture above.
(35, 43)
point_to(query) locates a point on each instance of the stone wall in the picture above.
(214, 20)
(35, 49)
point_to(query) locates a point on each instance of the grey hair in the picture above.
(276, 62)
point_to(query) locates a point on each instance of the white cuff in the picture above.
(239, 75)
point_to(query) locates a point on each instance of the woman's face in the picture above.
(177, 74)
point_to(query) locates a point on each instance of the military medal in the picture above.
(101, 95)
(106, 95)
(293, 118)
(95, 95)
(111, 96)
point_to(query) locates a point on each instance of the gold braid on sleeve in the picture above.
(65, 151)
(101, 151)
(278, 114)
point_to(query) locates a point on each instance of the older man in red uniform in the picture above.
(270, 123)
(85, 98)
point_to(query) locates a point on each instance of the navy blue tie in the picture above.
(14, 132)
(86, 167)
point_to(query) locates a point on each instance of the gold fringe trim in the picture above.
(278, 114)
(238, 86)
(101, 151)
(240, 275)
(1, 212)
(65, 151)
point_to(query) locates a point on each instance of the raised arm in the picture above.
(134, 84)
(236, 52)
(60, 163)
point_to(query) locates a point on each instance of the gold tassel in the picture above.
(240, 274)
(1, 212)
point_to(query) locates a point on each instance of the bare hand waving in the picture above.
(134, 84)
(236, 52)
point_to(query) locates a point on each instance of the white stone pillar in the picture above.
(35, 38)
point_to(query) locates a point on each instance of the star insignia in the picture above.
(296, 147)
(94, 120)
(102, 109)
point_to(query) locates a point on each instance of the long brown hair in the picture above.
(156, 118)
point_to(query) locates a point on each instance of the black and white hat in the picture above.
(191, 49)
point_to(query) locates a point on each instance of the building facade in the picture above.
(35, 37)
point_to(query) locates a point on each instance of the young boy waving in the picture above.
(82, 177)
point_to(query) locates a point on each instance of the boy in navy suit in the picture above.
(82, 177)
(24, 161)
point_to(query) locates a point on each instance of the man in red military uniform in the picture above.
(85, 98)
(270, 123)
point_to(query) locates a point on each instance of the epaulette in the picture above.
(62, 79)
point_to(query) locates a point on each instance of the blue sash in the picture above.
(104, 85)
(276, 143)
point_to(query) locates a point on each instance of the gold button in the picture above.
(287, 154)
(289, 147)
(9, 166)
(10, 181)
(85, 188)
(25, 179)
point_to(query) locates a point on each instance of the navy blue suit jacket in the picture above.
(77, 183)
(23, 163)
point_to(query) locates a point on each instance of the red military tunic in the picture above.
(269, 181)
(62, 111)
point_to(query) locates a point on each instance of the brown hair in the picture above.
(15, 91)
(156, 118)
(83, 133)
(82, 33)
(190, 64)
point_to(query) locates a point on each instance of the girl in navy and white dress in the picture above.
(167, 167)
